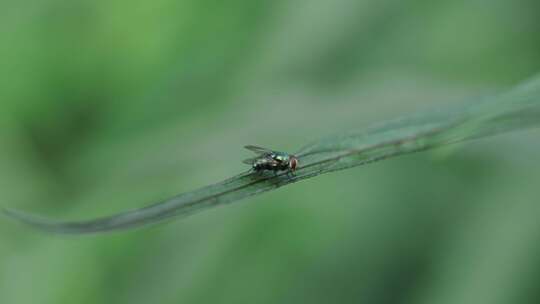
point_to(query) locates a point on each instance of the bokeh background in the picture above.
(112, 105)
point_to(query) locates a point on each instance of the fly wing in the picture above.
(251, 161)
(258, 150)
(262, 159)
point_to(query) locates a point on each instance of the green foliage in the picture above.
(109, 105)
(517, 109)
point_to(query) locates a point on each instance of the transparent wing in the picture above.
(265, 159)
(251, 161)
(258, 150)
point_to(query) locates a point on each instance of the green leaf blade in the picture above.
(517, 109)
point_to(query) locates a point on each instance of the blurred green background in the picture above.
(112, 105)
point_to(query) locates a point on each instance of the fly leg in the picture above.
(258, 174)
(290, 174)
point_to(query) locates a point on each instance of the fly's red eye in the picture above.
(293, 163)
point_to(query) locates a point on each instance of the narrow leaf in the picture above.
(517, 109)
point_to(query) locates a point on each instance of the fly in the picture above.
(269, 160)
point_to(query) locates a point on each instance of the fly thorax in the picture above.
(282, 158)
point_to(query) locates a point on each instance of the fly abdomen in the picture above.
(268, 164)
(263, 165)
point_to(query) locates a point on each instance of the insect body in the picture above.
(271, 160)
